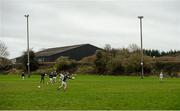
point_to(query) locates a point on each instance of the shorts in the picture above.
(54, 77)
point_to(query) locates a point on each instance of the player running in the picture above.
(50, 78)
(54, 76)
(64, 76)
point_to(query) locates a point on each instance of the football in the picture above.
(39, 86)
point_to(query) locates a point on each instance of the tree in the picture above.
(33, 63)
(3, 50)
(5, 64)
(107, 48)
(152, 52)
(122, 61)
(102, 59)
(133, 48)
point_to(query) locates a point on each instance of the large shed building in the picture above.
(76, 52)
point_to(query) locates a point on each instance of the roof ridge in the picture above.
(63, 47)
(54, 50)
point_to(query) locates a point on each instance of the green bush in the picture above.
(65, 64)
(86, 69)
(121, 61)
(115, 66)
(14, 71)
(88, 60)
(132, 63)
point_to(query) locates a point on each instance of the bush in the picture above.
(129, 63)
(121, 61)
(45, 65)
(88, 60)
(167, 58)
(115, 66)
(132, 63)
(169, 67)
(65, 64)
(86, 69)
(14, 71)
(148, 64)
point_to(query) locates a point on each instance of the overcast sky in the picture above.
(55, 23)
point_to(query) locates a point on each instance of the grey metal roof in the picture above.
(52, 51)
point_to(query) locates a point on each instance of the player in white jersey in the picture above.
(161, 76)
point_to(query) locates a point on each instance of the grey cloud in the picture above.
(65, 22)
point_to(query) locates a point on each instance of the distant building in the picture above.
(76, 52)
(16, 60)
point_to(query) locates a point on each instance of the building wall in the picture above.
(42, 59)
(18, 60)
(76, 54)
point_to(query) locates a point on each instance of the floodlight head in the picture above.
(140, 17)
(26, 15)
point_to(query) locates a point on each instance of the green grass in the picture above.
(91, 92)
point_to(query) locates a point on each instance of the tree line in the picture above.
(127, 61)
(115, 61)
(157, 53)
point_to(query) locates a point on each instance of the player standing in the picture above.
(23, 75)
(161, 76)
(42, 77)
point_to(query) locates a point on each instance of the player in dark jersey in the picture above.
(23, 75)
(42, 77)
(50, 78)
(54, 76)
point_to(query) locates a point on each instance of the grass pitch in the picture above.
(90, 92)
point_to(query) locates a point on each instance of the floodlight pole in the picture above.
(28, 63)
(142, 58)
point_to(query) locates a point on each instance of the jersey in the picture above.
(51, 75)
(42, 75)
(64, 77)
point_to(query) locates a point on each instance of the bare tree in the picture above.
(3, 50)
(133, 48)
(107, 47)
